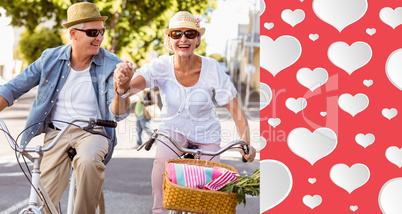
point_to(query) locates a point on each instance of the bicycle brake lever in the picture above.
(90, 130)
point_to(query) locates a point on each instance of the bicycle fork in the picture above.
(36, 188)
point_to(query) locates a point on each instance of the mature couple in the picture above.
(84, 80)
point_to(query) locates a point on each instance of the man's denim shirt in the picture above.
(50, 72)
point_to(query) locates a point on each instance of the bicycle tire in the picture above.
(101, 206)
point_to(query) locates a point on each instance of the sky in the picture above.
(224, 23)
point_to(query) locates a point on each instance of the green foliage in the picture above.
(245, 185)
(216, 56)
(134, 27)
(33, 44)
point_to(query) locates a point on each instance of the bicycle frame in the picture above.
(37, 187)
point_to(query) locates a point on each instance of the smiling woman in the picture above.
(190, 85)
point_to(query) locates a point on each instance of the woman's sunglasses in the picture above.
(92, 32)
(190, 34)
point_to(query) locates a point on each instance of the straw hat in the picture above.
(83, 12)
(184, 19)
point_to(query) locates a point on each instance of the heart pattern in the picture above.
(293, 17)
(312, 201)
(349, 178)
(296, 105)
(312, 146)
(349, 58)
(334, 13)
(279, 54)
(353, 104)
(337, 76)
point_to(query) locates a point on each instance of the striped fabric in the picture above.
(199, 177)
(220, 182)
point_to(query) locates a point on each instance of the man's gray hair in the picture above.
(78, 26)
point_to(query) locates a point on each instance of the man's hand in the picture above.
(122, 76)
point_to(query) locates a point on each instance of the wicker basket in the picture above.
(180, 198)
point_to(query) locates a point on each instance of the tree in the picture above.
(134, 27)
(33, 44)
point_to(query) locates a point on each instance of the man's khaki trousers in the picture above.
(89, 168)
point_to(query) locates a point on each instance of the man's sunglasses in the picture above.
(92, 32)
(190, 34)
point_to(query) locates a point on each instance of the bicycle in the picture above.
(197, 153)
(38, 197)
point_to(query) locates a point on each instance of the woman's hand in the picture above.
(122, 76)
(251, 153)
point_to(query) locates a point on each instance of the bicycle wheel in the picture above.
(101, 206)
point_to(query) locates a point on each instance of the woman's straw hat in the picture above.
(184, 19)
(83, 12)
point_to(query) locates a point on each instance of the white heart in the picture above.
(265, 95)
(274, 122)
(269, 25)
(312, 180)
(391, 17)
(371, 31)
(394, 155)
(263, 142)
(354, 207)
(312, 79)
(323, 113)
(351, 178)
(389, 113)
(277, 183)
(390, 196)
(349, 58)
(293, 17)
(340, 13)
(312, 146)
(394, 68)
(296, 105)
(278, 55)
(364, 140)
(262, 7)
(353, 104)
(368, 83)
(313, 36)
(312, 201)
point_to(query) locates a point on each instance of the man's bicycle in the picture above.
(180, 200)
(38, 197)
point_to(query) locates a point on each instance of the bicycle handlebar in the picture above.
(38, 149)
(156, 133)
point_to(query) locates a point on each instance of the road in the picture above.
(127, 186)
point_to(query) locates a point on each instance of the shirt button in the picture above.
(178, 112)
(62, 76)
(51, 101)
(47, 80)
(45, 112)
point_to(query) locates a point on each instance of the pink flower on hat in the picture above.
(197, 22)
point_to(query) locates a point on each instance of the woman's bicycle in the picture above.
(178, 199)
(38, 197)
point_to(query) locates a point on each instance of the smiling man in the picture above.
(74, 81)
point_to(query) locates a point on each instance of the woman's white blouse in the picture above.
(190, 110)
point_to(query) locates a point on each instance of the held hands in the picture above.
(122, 76)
